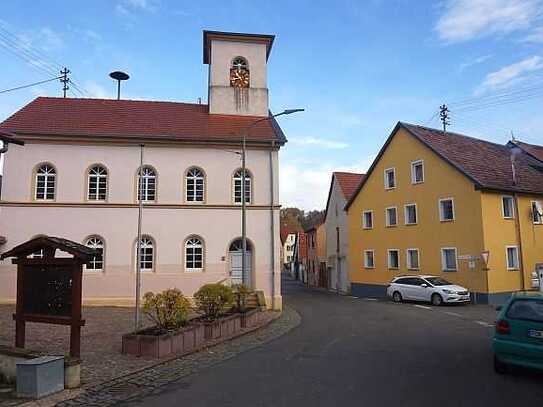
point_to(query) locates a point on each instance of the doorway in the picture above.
(235, 256)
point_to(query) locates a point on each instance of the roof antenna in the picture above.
(119, 76)
(513, 139)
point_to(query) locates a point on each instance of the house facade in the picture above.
(445, 204)
(78, 177)
(288, 249)
(342, 186)
(315, 264)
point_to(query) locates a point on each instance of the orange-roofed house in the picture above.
(78, 177)
(342, 187)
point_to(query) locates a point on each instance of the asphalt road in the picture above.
(359, 352)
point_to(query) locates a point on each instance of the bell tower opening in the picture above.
(237, 72)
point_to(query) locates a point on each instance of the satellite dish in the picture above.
(119, 76)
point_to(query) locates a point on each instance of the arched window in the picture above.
(239, 63)
(194, 254)
(237, 186)
(97, 183)
(147, 188)
(147, 253)
(97, 262)
(45, 182)
(194, 185)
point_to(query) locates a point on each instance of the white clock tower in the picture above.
(237, 72)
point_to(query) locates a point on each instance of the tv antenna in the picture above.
(119, 76)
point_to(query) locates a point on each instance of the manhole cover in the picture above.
(123, 388)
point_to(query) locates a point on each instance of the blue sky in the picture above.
(356, 67)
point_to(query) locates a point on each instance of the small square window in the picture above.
(411, 214)
(448, 259)
(413, 259)
(390, 178)
(512, 258)
(417, 172)
(537, 212)
(369, 261)
(367, 219)
(391, 216)
(508, 209)
(393, 259)
(446, 210)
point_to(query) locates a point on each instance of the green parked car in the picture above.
(518, 339)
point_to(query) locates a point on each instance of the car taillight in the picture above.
(502, 327)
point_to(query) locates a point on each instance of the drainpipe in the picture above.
(514, 152)
(4, 148)
(272, 225)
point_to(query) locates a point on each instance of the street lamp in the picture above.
(245, 132)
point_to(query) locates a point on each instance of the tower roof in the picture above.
(238, 37)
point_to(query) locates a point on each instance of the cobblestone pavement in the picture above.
(149, 381)
(100, 341)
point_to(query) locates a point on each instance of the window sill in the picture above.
(411, 224)
(391, 226)
(413, 269)
(390, 188)
(369, 268)
(447, 220)
(417, 182)
(365, 228)
(393, 268)
(194, 271)
(512, 269)
(449, 270)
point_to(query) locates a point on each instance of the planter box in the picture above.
(158, 346)
(250, 318)
(222, 327)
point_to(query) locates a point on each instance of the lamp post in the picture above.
(245, 133)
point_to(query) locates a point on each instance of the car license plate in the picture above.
(534, 333)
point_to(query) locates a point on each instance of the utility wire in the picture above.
(29, 85)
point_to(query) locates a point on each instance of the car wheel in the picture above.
(499, 366)
(437, 300)
(396, 297)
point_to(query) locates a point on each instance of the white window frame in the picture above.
(389, 251)
(444, 262)
(366, 258)
(511, 198)
(364, 225)
(441, 212)
(413, 172)
(193, 246)
(144, 193)
(387, 219)
(248, 194)
(408, 258)
(101, 176)
(144, 246)
(531, 212)
(101, 246)
(189, 177)
(405, 214)
(517, 264)
(49, 181)
(387, 170)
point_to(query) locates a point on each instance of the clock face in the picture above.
(239, 78)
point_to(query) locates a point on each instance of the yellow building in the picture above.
(446, 204)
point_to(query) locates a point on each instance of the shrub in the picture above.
(241, 293)
(169, 309)
(213, 299)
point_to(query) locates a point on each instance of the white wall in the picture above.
(169, 221)
(337, 217)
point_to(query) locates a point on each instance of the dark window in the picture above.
(528, 310)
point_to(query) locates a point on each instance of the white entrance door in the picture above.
(236, 269)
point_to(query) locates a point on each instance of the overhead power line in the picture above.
(30, 84)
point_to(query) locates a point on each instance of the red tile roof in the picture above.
(532, 149)
(486, 164)
(348, 181)
(134, 119)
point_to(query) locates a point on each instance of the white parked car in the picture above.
(426, 288)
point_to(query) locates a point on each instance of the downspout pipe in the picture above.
(272, 225)
(514, 152)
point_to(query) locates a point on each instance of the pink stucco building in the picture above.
(77, 177)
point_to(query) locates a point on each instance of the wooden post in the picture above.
(19, 321)
(75, 330)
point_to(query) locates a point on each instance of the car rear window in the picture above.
(526, 310)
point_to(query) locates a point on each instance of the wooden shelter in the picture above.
(49, 287)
